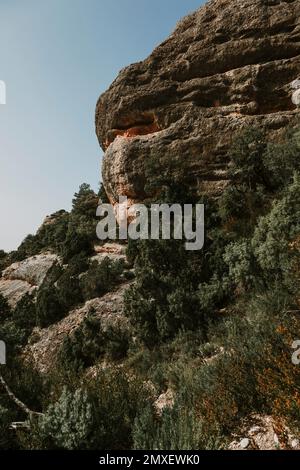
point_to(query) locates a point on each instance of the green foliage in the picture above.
(269, 255)
(7, 439)
(13, 337)
(166, 179)
(4, 307)
(82, 223)
(215, 326)
(68, 284)
(78, 264)
(50, 236)
(283, 159)
(18, 324)
(175, 289)
(64, 233)
(248, 193)
(4, 260)
(27, 384)
(164, 298)
(258, 169)
(102, 194)
(247, 163)
(274, 234)
(48, 306)
(75, 242)
(117, 399)
(101, 278)
(178, 428)
(91, 341)
(241, 263)
(24, 314)
(53, 234)
(69, 292)
(30, 388)
(97, 416)
(67, 423)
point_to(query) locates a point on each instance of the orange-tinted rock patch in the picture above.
(132, 132)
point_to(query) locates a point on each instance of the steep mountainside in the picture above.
(142, 344)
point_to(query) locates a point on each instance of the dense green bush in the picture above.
(163, 299)
(176, 289)
(24, 314)
(275, 233)
(4, 260)
(91, 341)
(75, 243)
(282, 159)
(49, 309)
(68, 284)
(68, 422)
(100, 278)
(4, 307)
(99, 415)
(117, 399)
(258, 170)
(30, 388)
(81, 231)
(269, 255)
(7, 438)
(179, 428)
(17, 324)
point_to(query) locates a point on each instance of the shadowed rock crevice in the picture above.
(132, 126)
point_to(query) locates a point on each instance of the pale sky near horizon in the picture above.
(56, 57)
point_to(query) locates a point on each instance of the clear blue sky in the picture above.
(56, 57)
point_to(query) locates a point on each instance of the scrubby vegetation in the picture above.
(91, 341)
(67, 234)
(214, 327)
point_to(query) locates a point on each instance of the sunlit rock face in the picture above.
(230, 65)
(25, 277)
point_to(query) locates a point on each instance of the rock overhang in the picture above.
(227, 66)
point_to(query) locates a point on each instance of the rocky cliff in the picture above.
(25, 277)
(229, 65)
(90, 316)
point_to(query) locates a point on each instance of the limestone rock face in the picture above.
(44, 344)
(25, 276)
(230, 65)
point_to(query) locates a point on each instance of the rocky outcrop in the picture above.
(25, 276)
(230, 65)
(44, 344)
(165, 400)
(263, 432)
(113, 251)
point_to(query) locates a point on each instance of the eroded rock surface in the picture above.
(230, 65)
(113, 251)
(25, 276)
(263, 432)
